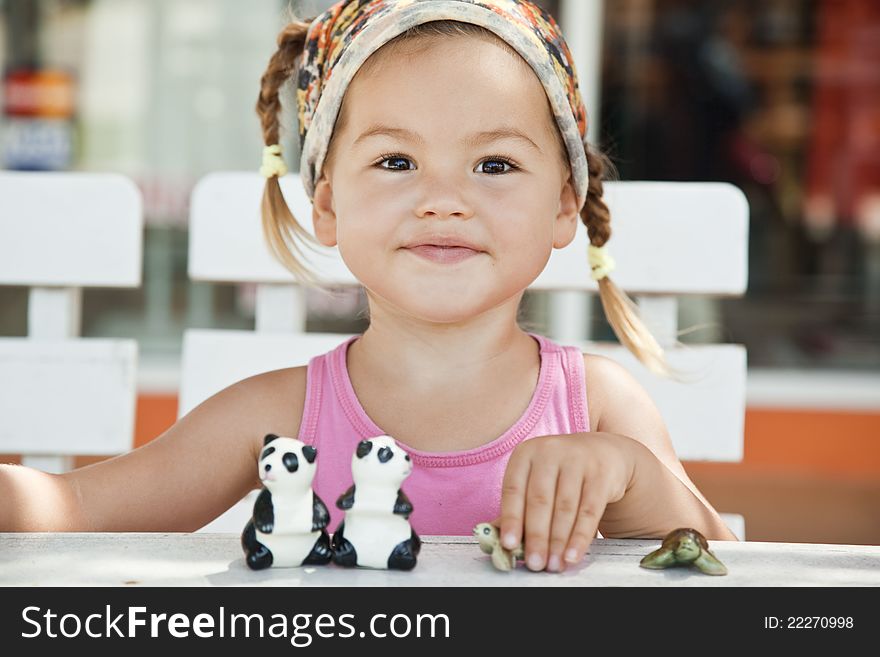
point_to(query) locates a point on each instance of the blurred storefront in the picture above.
(780, 97)
(164, 94)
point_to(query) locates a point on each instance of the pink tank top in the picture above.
(450, 491)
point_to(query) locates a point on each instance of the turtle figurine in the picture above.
(685, 547)
(490, 543)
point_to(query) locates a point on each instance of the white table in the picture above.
(203, 559)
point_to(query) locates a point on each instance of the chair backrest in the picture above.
(62, 395)
(669, 239)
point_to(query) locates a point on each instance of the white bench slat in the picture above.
(70, 229)
(645, 215)
(67, 396)
(656, 226)
(735, 523)
(824, 390)
(227, 241)
(712, 399)
(216, 359)
(54, 312)
(56, 464)
(280, 308)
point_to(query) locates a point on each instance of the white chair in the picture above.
(62, 395)
(669, 239)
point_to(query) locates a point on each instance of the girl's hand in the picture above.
(558, 488)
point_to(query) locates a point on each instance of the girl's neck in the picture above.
(467, 382)
(424, 358)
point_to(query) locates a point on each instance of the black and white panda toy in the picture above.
(375, 532)
(289, 520)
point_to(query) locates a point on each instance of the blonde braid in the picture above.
(622, 314)
(280, 227)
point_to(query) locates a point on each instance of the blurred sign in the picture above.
(39, 108)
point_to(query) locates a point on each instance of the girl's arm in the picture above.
(622, 478)
(178, 482)
(661, 493)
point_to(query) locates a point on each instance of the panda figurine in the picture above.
(288, 525)
(375, 532)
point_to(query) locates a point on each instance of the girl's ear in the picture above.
(323, 214)
(567, 217)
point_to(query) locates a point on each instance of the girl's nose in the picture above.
(442, 197)
(444, 210)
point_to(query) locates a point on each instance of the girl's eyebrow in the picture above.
(482, 137)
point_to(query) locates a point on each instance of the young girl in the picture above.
(443, 147)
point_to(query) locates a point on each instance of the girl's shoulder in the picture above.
(619, 404)
(594, 365)
(212, 450)
(277, 396)
(610, 388)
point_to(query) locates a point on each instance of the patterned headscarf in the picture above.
(341, 39)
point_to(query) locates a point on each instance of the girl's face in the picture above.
(418, 155)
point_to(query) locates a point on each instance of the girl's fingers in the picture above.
(540, 499)
(513, 500)
(592, 506)
(569, 488)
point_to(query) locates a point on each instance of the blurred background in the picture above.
(779, 97)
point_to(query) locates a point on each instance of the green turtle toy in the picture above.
(685, 547)
(490, 543)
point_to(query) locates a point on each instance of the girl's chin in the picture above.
(435, 308)
(456, 313)
(437, 304)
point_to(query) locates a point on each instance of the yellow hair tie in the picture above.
(273, 164)
(601, 261)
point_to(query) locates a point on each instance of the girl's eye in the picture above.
(498, 164)
(401, 163)
(395, 161)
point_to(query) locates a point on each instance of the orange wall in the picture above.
(826, 441)
(154, 414)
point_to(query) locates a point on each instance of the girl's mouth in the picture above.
(443, 254)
